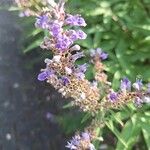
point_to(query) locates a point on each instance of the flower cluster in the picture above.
(81, 142)
(61, 71)
(128, 92)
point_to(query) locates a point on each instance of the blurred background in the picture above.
(32, 113)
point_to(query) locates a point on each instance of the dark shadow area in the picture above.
(24, 101)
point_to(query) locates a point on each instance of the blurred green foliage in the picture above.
(121, 28)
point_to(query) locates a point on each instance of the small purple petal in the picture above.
(85, 136)
(63, 42)
(98, 52)
(138, 102)
(65, 80)
(80, 75)
(103, 55)
(71, 146)
(77, 56)
(42, 22)
(82, 68)
(125, 84)
(55, 29)
(72, 35)
(113, 96)
(44, 75)
(138, 84)
(76, 20)
(81, 34)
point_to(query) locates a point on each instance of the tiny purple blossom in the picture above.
(113, 96)
(138, 102)
(71, 146)
(65, 80)
(55, 29)
(72, 35)
(85, 136)
(98, 52)
(103, 55)
(81, 34)
(42, 22)
(63, 42)
(125, 84)
(82, 68)
(76, 20)
(138, 84)
(44, 75)
(77, 56)
(80, 75)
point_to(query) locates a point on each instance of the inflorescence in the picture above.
(68, 78)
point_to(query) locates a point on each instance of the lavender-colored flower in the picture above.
(76, 20)
(138, 84)
(103, 55)
(74, 142)
(82, 68)
(72, 34)
(42, 22)
(125, 84)
(98, 52)
(71, 146)
(63, 42)
(81, 34)
(77, 56)
(138, 102)
(80, 75)
(113, 96)
(55, 29)
(44, 75)
(85, 136)
(65, 80)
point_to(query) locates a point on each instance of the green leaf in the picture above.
(129, 134)
(111, 126)
(33, 45)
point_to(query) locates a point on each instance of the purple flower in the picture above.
(71, 146)
(80, 75)
(42, 22)
(65, 80)
(72, 35)
(82, 68)
(63, 42)
(44, 75)
(74, 142)
(76, 20)
(77, 56)
(125, 84)
(138, 102)
(113, 96)
(103, 55)
(98, 52)
(138, 84)
(85, 136)
(55, 29)
(81, 34)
